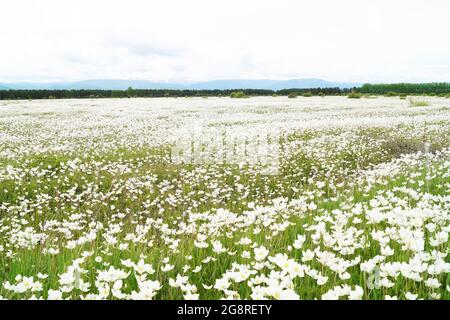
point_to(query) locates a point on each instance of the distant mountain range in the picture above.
(204, 85)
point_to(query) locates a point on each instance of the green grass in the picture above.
(355, 95)
(192, 183)
(412, 102)
(32, 262)
(238, 94)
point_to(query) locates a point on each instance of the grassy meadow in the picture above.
(94, 205)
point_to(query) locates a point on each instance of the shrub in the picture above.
(292, 95)
(308, 94)
(391, 94)
(130, 92)
(238, 94)
(354, 95)
(417, 103)
(116, 94)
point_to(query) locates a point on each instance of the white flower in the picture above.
(245, 241)
(288, 295)
(356, 294)
(308, 255)
(432, 283)
(127, 263)
(27, 283)
(218, 247)
(167, 267)
(260, 253)
(410, 296)
(141, 267)
(52, 251)
(197, 269)
(117, 284)
(298, 243)
(66, 278)
(179, 282)
(295, 269)
(103, 289)
(222, 284)
(54, 295)
(111, 275)
(321, 280)
(191, 296)
(385, 282)
(330, 295)
(42, 276)
(387, 251)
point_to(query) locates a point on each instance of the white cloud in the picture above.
(348, 40)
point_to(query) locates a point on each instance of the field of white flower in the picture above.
(94, 206)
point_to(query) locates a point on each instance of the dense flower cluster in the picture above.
(93, 206)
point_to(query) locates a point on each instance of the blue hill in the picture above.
(205, 85)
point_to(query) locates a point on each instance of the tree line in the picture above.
(384, 89)
(406, 88)
(154, 93)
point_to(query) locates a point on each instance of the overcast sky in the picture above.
(180, 40)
